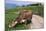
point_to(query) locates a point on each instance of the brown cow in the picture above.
(24, 16)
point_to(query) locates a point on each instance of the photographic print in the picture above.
(23, 15)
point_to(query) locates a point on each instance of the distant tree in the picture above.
(37, 4)
(23, 5)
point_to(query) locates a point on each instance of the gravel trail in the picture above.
(37, 22)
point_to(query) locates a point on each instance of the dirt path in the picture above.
(37, 22)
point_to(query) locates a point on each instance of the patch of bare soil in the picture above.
(37, 22)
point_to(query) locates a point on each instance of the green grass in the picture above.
(9, 17)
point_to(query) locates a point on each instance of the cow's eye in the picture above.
(24, 18)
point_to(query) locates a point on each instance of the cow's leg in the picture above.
(25, 23)
(28, 23)
(13, 24)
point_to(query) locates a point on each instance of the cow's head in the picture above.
(26, 15)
